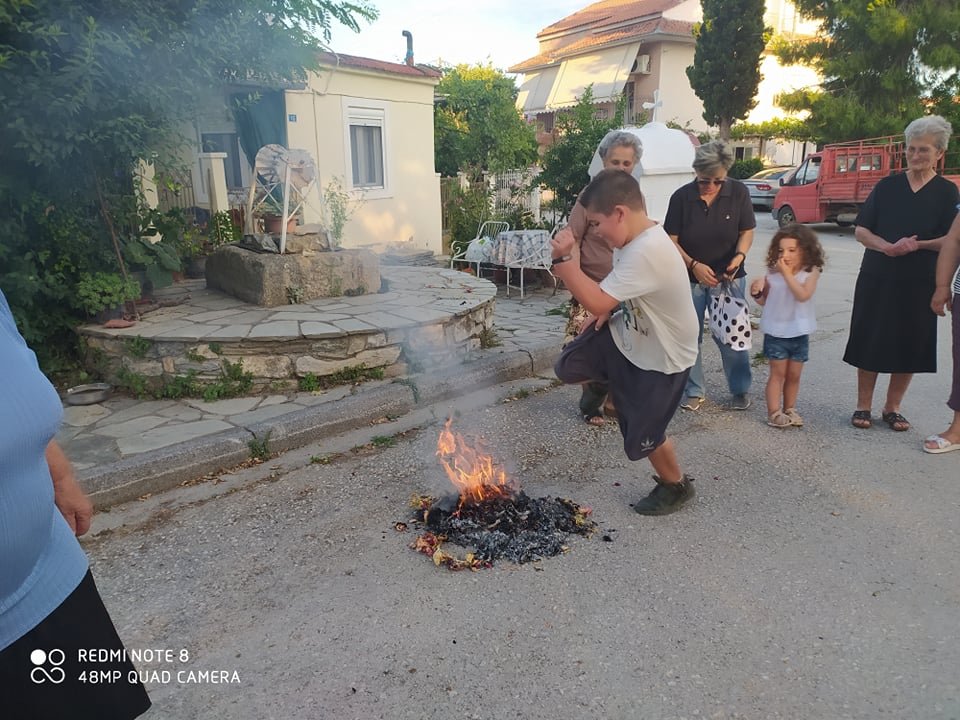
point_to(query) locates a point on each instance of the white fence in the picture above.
(510, 190)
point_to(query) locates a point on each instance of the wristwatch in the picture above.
(561, 259)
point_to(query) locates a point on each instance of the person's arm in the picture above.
(586, 291)
(702, 273)
(72, 502)
(872, 241)
(947, 263)
(802, 291)
(577, 222)
(744, 241)
(759, 289)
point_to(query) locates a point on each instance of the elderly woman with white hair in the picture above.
(902, 226)
(711, 221)
(620, 150)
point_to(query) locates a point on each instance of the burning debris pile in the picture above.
(491, 514)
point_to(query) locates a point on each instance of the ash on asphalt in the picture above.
(518, 528)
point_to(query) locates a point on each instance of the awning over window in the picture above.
(535, 90)
(607, 69)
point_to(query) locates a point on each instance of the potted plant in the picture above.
(103, 295)
(219, 231)
(159, 259)
(271, 212)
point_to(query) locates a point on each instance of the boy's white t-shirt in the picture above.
(657, 328)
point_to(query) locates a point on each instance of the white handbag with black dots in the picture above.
(730, 317)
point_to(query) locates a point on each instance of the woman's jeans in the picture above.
(736, 363)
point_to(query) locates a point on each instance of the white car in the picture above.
(765, 185)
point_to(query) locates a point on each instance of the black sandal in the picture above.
(861, 419)
(589, 417)
(896, 421)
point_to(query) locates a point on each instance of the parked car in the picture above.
(765, 185)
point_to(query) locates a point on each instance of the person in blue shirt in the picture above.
(50, 609)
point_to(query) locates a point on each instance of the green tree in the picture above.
(883, 63)
(90, 87)
(579, 131)
(477, 124)
(726, 62)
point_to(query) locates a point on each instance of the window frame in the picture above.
(366, 113)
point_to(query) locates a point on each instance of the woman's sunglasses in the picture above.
(708, 181)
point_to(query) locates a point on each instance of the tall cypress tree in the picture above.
(726, 63)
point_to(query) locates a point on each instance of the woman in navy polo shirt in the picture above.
(711, 221)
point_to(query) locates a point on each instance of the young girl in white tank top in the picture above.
(794, 262)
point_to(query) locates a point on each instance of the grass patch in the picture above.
(321, 459)
(384, 441)
(489, 338)
(563, 309)
(413, 388)
(758, 359)
(309, 383)
(259, 447)
(137, 347)
(233, 382)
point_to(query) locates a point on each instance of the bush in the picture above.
(745, 168)
(103, 291)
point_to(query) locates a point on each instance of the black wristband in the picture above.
(561, 259)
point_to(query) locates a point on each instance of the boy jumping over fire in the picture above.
(642, 339)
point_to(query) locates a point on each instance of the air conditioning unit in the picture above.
(641, 65)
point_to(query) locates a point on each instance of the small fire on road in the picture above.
(489, 513)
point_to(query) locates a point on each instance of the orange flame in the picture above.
(473, 473)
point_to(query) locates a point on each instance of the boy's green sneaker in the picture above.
(666, 498)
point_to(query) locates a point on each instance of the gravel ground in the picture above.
(814, 576)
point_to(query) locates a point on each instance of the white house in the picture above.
(367, 123)
(638, 48)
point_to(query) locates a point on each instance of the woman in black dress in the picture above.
(901, 225)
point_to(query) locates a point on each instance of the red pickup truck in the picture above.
(832, 184)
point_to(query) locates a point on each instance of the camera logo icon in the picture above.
(40, 674)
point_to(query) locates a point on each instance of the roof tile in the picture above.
(364, 63)
(634, 31)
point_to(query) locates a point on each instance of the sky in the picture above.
(451, 32)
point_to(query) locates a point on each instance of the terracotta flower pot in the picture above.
(273, 224)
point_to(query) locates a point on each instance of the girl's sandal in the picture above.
(779, 420)
(794, 416)
(861, 419)
(896, 421)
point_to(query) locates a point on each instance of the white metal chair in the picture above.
(530, 251)
(480, 250)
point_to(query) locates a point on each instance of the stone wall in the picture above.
(269, 280)
(278, 364)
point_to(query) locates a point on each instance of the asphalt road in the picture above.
(815, 576)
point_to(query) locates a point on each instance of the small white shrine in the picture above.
(667, 162)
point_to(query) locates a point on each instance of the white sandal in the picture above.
(779, 420)
(794, 416)
(942, 445)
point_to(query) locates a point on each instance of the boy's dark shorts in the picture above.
(646, 400)
(795, 348)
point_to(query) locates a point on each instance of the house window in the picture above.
(226, 143)
(366, 132)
